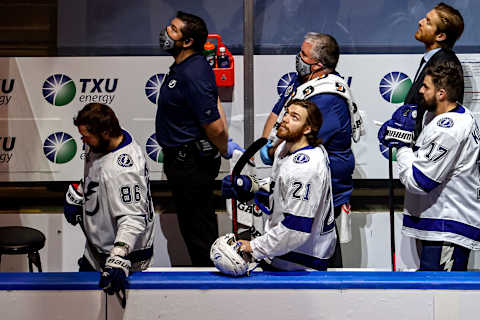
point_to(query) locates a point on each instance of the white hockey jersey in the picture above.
(442, 180)
(300, 232)
(118, 205)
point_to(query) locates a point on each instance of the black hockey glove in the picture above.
(114, 275)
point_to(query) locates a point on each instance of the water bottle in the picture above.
(223, 60)
(209, 53)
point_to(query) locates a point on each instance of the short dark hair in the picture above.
(451, 23)
(448, 76)
(98, 118)
(314, 120)
(194, 28)
(325, 49)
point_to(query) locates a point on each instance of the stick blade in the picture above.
(249, 153)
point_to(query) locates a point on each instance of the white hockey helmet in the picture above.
(224, 255)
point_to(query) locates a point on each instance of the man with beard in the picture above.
(317, 81)
(441, 171)
(438, 31)
(300, 228)
(191, 128)
(114, 205)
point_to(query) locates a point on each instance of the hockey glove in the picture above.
(73, 203)
(241, 188)
(114, 275)
(264, 154)
(398, 131)
(262, 200)
(232, 146)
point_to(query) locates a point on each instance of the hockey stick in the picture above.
(242, 161)
(122, 297)
(390, 205)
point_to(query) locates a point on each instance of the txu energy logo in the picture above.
(59, 90)
(98, 90)
(6, 90)
(284, 81)
(153, 149)
(60, 147)
(6, 149)
(394, 87)
(152, 87)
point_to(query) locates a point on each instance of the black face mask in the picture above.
(168, 44)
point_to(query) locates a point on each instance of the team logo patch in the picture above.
(124, 160)
(339, 87)
(172, 83)
(445, 122)
(308, 91)
(301, 158)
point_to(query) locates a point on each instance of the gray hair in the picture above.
(325, 49)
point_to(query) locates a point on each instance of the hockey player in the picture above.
(319, 82)
(441, 171)
(300, 231)
(114, 205)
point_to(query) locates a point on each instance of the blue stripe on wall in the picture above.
(257, 280)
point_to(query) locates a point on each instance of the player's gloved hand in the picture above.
(242, 187)
(73, 203)
(398, 131)
(231, 147)
(114, 275)
(264, 154)
(262, 200)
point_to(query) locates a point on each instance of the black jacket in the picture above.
(414, 96)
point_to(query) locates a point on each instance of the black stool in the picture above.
(22, 240)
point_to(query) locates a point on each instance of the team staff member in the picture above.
(299, 232)
(438, 31)
(440, 173)
(318, 82)
(114, 205)
(191, 129)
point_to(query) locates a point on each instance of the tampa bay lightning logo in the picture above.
(124, 160)
(301, 158)
(152, 87)
(91, 197)
(445, 122)
(283, 84)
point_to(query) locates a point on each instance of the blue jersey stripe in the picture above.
(306, 260)
(442, 225)
(423, 181)
(297, 223)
